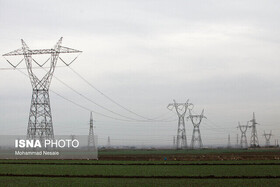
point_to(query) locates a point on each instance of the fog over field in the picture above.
(222, 55)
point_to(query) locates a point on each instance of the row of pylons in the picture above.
(254, 142)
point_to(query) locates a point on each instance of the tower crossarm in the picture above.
(243, 128)
(181, 108)
(199, 117)
(41, 51)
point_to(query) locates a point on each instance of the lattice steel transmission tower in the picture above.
(267, 137)
(276, 143)
(229, 144)
(109, 142)
(91, 140)
(196, 136)
(254, 142)
(181, 109)
(243, 129)
(237, 141)
(40, 124)
(174, 142)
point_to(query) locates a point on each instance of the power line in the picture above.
(86, 108)
(90, 100)
(106, 96)
(79, 105)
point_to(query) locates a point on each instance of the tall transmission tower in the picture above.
(91, 142)
(174, 141)
(243, 129)
(181, 109)
(196, 136)
(229, 145)
(40, 124)
(267, 137)
(254, 142)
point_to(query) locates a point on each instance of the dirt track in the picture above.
(195, 157)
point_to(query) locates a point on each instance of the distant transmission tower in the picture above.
(181, 109)
(229, 145)
(267, 137)
(254, 142)
(72, 137)
(237, 141)
(108, 142)
(40, 125)
(243, 141)
(276, 143)
(91, 142)
(174, 142)
(196, 136)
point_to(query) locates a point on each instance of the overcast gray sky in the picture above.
(222, 55)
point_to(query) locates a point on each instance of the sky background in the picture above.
(223, 55)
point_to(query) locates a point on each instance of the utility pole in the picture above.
(196, 121)
(181, 109)
(254, 142)
(267, 137)
(40, 124)
(91, 139)
(243, 141)
(229, 146)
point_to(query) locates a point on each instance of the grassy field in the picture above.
(37, 181)
(144, 173)
(145, 170)
(59, 172)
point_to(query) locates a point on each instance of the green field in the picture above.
(29, 181)
(48, 167)
(263, 172)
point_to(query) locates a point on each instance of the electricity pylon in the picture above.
(91, 142)
(40, 124)
(243, 129)
(181, 109)
(108, 142)
(267, 137)
(174, 142)
(276, 143)
(254, 142)
(196, 121)
(229, 144)
(237, 142)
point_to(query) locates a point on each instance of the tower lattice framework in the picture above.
(254, 142)
(267, 137)
(229, 144)
(181, 109)
(243, 139)
(40, 124)
(108, 142)
(91, 140)
(196, 136)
